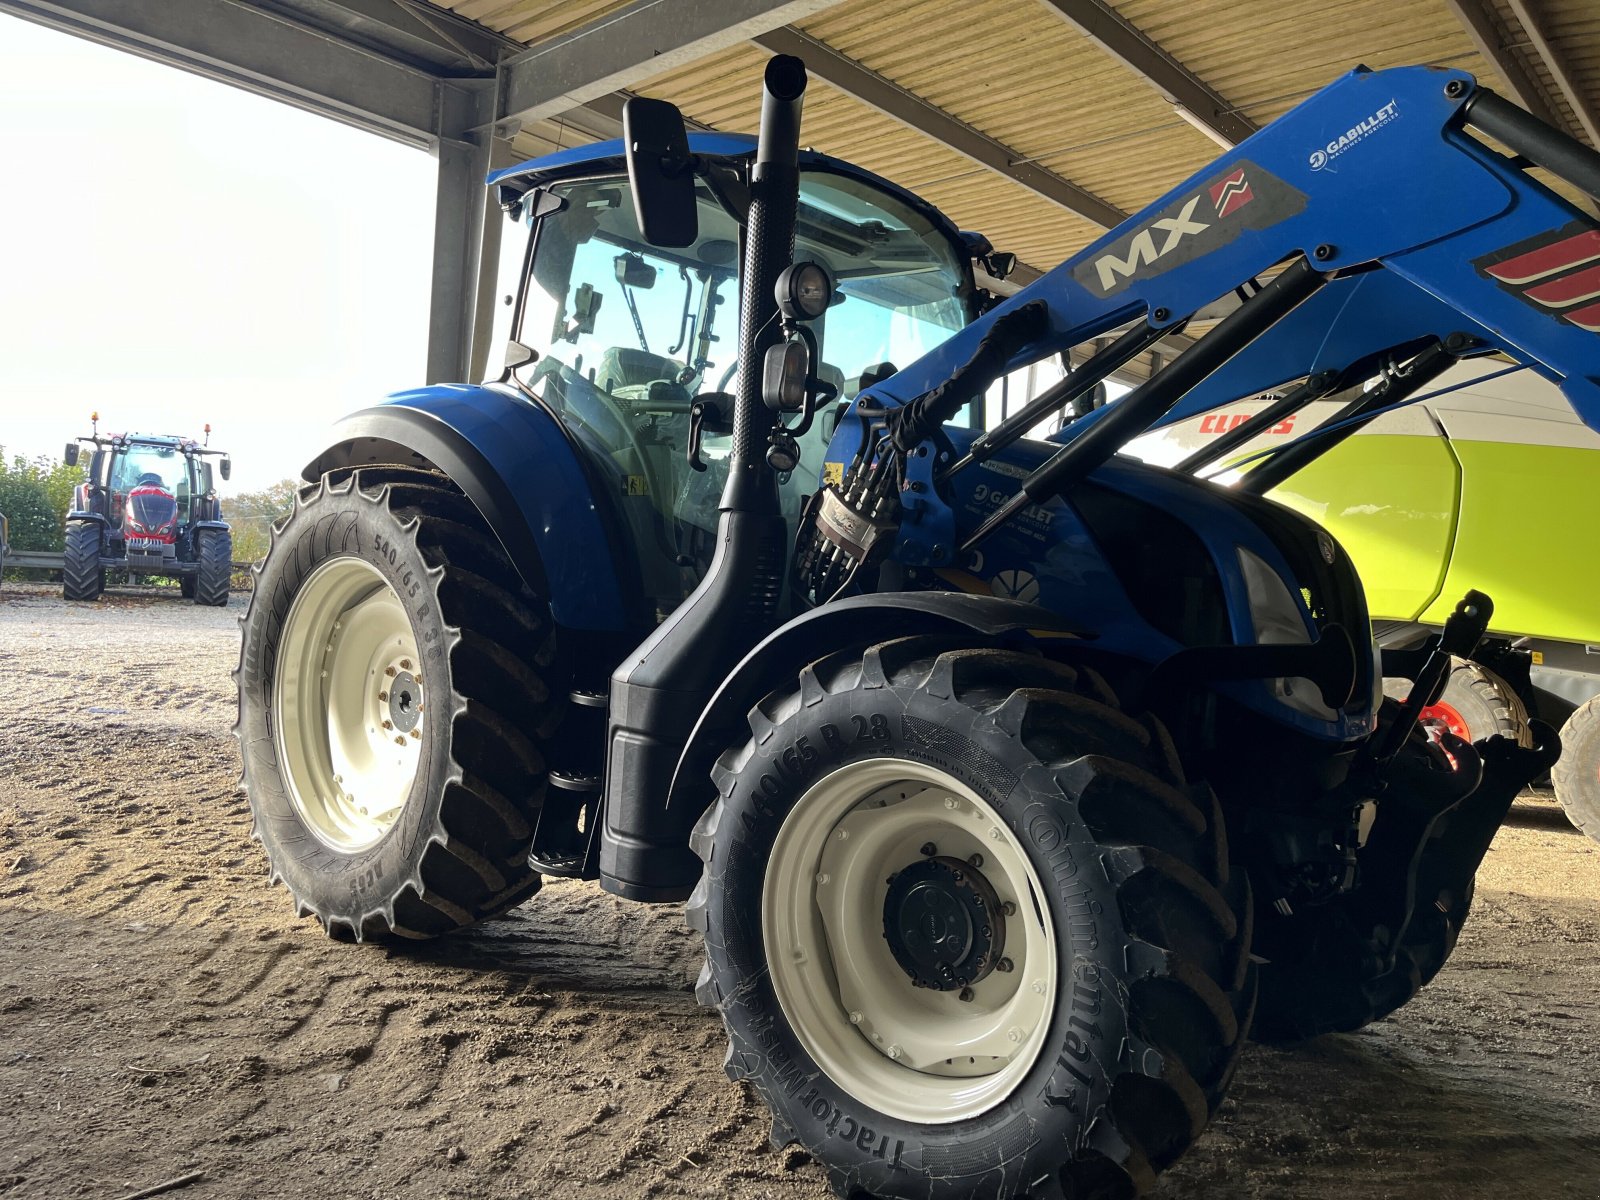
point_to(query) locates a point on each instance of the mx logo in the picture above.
(1231, 194)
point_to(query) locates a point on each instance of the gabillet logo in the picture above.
(1362, 130)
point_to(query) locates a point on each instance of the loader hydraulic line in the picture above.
(1103, 433)
(1094, 371)
(1396, 385)
(1313, 389)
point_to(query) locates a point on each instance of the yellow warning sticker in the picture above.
(833, 472)
(635, 485)
(1538, 658)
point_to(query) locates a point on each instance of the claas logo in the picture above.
(1222, 422)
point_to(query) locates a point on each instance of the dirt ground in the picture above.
(163, 1012)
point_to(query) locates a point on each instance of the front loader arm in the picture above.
(1411, 225)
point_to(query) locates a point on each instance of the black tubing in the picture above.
(1147, 403)
(768, 249)
(1530, 137)
(1315, 388)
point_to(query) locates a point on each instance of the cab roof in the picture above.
(608, 157)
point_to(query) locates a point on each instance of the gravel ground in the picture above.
(163, 1012)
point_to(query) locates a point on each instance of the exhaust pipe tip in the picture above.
(785, 78)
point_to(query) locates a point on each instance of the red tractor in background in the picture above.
(148, 507)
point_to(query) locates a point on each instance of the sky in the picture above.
(174, 251)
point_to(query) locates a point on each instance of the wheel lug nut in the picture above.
(388, 724)
(417, 733)
(965, 994)
(1013, 1034)
(383, 695)
(399, 741)
(405, 664)
(389, 671)
(994, 833)
(893, 1051)
(951, 802)
(975, 861)
(1005, 964)
(929, 849)
(1009, 909)
(822, 877)
(855, 1018)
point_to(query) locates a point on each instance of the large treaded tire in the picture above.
(1154, 1006)
(1576, 775)
(82, 576)
(458, 851)
(214, 549)
(1478, 700)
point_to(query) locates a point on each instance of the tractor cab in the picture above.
(153, 489)
(634, 346)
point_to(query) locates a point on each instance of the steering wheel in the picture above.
(722, 384)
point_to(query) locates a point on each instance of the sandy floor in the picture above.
(162, 1011)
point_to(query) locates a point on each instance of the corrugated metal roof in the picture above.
(1021, 74)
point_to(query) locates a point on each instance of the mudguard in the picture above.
(858, 621)
(516, 464)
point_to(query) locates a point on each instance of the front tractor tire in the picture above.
(214, 549)
(393, 704)
(82, 576)
(969, 931)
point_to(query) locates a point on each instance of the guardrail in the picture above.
(51, 560)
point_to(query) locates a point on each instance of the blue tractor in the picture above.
(1012, 784)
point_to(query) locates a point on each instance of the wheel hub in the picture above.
(944, 923)
(405, 701)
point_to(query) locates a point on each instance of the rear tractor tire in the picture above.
(968, 930)
(209, 586)
(393, 706)
(82, 576)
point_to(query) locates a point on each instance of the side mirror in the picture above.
(660, 172)
(227, 466)
(72, 454)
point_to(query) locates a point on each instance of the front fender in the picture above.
(516, 464)
(858, 621)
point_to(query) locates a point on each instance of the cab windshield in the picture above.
(623, 315)
(628, 334)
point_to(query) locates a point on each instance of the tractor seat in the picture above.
(622, 368)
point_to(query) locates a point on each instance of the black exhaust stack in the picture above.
(660, 690)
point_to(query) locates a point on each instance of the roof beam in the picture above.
(624, 48)
(1194, 101)
(263, 52)
(889, 98)
(1478, 19)
(1555, 62)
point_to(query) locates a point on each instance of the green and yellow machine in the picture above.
(1488, 484)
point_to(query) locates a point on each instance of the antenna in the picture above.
(94, 422)
(208, 433)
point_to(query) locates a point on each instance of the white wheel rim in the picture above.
(348, 738)
(911, 1052)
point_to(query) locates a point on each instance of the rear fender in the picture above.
(513, 460)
